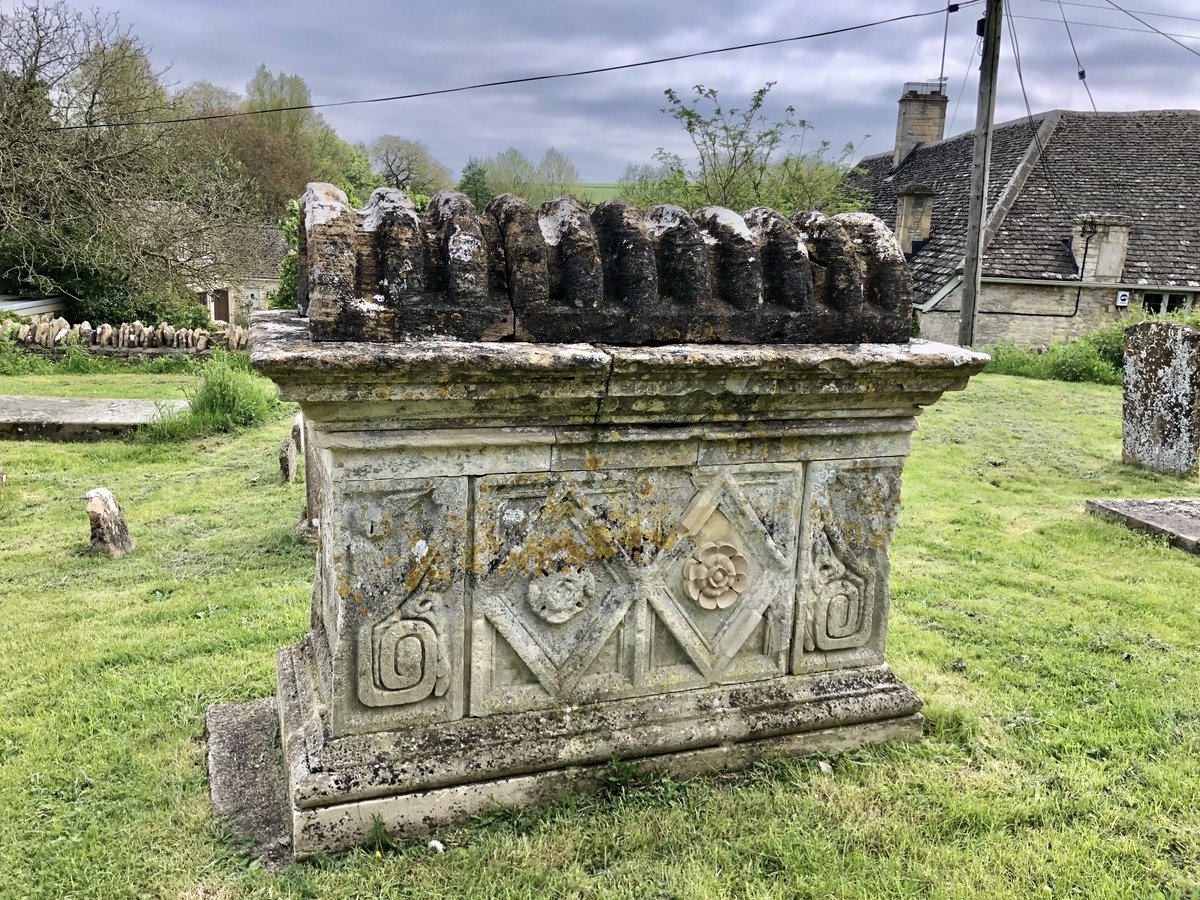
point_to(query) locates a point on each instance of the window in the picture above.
(1161, 304)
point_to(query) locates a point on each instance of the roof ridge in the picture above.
(1039, 140)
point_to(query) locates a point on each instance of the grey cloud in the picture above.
(845, 85)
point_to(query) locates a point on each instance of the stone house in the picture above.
(253, 254)
(1089, 215)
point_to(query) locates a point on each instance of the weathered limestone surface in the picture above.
(110, 532)
(616, 275)
(287, 460)
(535, 556)
(1161, 420)
(78, 419)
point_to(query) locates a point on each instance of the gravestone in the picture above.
(586, 485)
(1161, 418)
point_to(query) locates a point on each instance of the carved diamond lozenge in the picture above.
(716, 575)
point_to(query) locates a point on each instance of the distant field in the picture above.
(596, 191)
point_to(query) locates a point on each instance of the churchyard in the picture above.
(1057, 655)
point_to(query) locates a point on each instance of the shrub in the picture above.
(1079, 361)
(15, 361)
(77, 361)
(228, 398)
(1009, 359)
(1109, 343)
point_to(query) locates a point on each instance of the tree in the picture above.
(512, 172)
(556, 175)
(474, 183)
(117, 216)
(265, 90)
(743, 159)
(203, 98)
(408, 165)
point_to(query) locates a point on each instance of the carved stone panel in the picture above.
(396, 605)
(842, 598)
(599, 585)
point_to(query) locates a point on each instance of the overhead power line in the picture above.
(524, 80)
(1051, 181)
(1190, 37)
(962, 90)
(1191, 50)
(1078, 65)
(1144, 12)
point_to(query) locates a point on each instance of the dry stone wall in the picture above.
(614, 275)
(45, 333)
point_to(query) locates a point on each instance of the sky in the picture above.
(845, 85)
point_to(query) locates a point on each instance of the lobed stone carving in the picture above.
(716, 575)
(616, 274)
(560, 596)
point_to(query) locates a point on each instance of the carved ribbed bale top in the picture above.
(616, 275)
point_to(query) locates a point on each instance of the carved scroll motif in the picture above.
(402, 660)
(839, 615)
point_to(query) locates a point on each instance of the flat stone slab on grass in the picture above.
(1178, 520)
(245, 771)
(77, 418)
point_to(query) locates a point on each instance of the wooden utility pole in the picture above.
(981, 160)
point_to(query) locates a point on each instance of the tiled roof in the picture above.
(253, 251)
(1145, 165)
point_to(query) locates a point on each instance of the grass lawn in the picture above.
(1059, 656)
(596, 192)
(131, 386)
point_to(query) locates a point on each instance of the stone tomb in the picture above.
(535, 556)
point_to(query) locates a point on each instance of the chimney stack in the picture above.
(914, 216)
(922, 117)
(1098, 243)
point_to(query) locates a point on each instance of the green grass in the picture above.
(1059, 657)
(596, 192)
(133, 386)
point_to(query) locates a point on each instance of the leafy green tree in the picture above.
(556, 175)
(474, 183)
(266, 90)
(743, 158)
(512, 172)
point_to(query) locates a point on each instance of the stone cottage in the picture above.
(254, 254)
(1089, 215)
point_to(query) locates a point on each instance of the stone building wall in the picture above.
(1096, 308)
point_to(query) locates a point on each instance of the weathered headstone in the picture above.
(1161, 419)
(287, 461)
(537, 554)
(110, 532)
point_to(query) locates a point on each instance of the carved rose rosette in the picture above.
(716, 575)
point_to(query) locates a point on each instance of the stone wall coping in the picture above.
(282, 347)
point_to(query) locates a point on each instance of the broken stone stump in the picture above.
(1160, 426)
(287, 461)
(110, 533)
